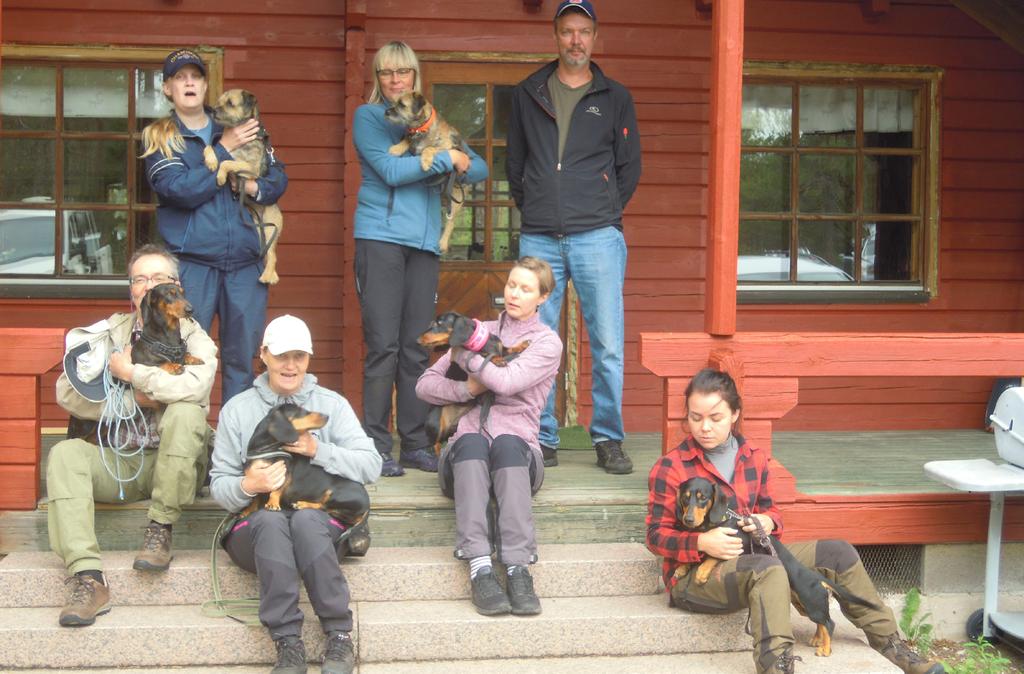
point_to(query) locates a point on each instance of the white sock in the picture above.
(478, 565)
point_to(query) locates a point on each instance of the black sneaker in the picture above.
(425, 459)
(389, 467)
(550, 456)
(488, 595)
(291, 656)
(521, 596)
(612, 457)
(339, 656)
(358, 541)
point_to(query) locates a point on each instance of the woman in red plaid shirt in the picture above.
(715, 451)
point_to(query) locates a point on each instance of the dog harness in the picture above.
(173, 354)
(479, 337)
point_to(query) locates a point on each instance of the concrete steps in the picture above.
(603, 612)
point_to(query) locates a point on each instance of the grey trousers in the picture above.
(471, 471)
(397, 288)
(282, 546)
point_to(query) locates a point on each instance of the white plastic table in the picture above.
(995, 479)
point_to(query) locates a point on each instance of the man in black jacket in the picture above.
(573, 164)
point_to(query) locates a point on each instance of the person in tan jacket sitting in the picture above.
(163, 459)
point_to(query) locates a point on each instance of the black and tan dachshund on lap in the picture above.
(160, 343)
(701, 506)
(305, 485)
(453, 329)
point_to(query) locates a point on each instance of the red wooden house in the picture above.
(882, 187)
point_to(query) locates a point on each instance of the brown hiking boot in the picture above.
(89, 598)
(156, 549)
(899, 653)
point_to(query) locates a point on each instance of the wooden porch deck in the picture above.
(867, 487)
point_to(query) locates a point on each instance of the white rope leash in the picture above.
(121, 421)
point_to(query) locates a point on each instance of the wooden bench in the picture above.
(25, 355)
(768, 366)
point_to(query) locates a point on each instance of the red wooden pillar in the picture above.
(724, 166)
(25, 355)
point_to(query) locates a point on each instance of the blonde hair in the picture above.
(162, 135)
(540, 269)
(396, 55)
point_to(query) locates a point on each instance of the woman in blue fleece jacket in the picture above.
(397, 228)
(203, 224)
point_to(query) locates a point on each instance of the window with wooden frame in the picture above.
(838, 183)
(74, 199)
(476, 97)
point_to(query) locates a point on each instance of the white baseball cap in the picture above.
(287, 333)
(85, 357)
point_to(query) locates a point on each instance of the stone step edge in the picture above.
(385, 574)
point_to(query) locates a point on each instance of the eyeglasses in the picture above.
(156, 279)
(401, 72)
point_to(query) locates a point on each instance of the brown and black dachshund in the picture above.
(160, 343)
(454, 329)
(701, 506)
(305, 485)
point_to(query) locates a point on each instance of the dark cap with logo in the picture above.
(582, 5)
(180, 58)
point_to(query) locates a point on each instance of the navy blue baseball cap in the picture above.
(180, 58)
(582, 5)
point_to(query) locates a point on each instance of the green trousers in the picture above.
(759, 583)
(77, 479)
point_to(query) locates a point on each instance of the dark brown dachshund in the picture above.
(160, 343)
(305, 485)
(701, 506)
(454, 329)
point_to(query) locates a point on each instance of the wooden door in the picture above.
(475, 96)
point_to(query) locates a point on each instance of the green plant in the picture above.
(916, 628)
(980, 657)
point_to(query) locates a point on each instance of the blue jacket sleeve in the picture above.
(477, 168)
(179, 186)
(372, 141)
(272, 185)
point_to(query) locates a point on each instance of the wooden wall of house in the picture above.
(292, 56)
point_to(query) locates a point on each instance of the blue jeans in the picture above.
(596, 263)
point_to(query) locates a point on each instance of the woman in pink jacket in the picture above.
(503, 457)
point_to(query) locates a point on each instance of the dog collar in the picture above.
(267, 452)
(479, 337)
(427, 124)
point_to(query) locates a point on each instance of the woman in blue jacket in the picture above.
(203, 224)
(397, 228)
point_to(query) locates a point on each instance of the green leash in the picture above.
(245, 611)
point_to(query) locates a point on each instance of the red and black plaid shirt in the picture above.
(750, 492)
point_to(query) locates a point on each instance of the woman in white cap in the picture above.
(314, 540)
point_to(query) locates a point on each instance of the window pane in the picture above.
(501, 109)
(499, 181)
(887, 252)
(94, 170)
(28, 98)
(764, 251)
(888, 184)
(827, 183)
(27, 168)
(95, 100)
(144, 194)
(826, 251)
(505, 232)
(27, 241)
(828, 116)
(767, 114)
(463, 106)
(467, 241)
(764, 182)
(95, 243)
(478, 190)
(889, 117)
(150, 104)
(145, 229)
